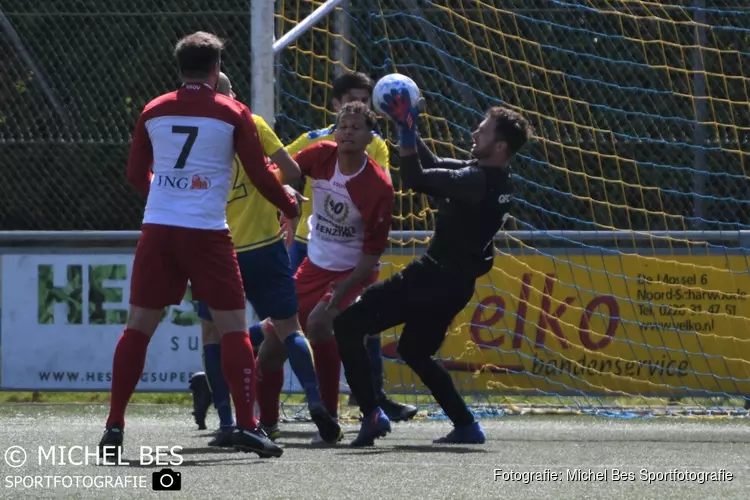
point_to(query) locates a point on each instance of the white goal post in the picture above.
(264, 47)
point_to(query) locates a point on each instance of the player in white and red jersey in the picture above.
(181, 159)
(349, 227)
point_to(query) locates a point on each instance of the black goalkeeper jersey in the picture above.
(473, 203)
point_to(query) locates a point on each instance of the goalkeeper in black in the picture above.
(473, 204)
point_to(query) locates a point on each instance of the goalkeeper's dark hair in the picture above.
(358, 108)
(511, 127)
(350, 81)
(197, 54)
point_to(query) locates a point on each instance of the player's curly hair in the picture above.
(511, 127)
(349, 81)
(358, 108)
(197, 54)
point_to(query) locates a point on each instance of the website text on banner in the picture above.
(593, 324)
(629, 323)
(63, 314)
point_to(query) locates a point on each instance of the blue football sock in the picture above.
(256, 337)
(219, 388)
(301, 360)
(375, 353)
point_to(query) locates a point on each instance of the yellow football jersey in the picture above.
(378, 151)
(251, 218)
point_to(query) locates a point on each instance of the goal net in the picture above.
(621, 285)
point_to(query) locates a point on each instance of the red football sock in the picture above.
(238, 367)
(269, 395)
(127, 368)
(328, 368)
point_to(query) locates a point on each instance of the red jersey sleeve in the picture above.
(250, 150)
(141, 158)
(312, 159)
(378, 222)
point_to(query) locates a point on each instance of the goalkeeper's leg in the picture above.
(381, 306)
(421, 338)
(419, 341)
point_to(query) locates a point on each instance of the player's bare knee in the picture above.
(319, 326)
(229, 321)
(286, 327)
(144, 320)
(209, 333)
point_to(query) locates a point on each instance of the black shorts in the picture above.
(424, 293)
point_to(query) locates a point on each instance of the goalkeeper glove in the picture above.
(404, 113)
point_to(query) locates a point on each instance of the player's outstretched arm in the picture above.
(428, 159)
(290, 172)
(250, 150)
(466, 184)
(140, 159)
(274, 149)
(405, 114)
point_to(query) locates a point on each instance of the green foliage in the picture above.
(99, 294)
(103, 292)
(70, 294)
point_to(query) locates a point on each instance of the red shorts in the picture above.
(168, 256)
(313, 285)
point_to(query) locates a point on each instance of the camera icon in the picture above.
(166, 480)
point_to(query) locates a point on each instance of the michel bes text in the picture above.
(162, 456)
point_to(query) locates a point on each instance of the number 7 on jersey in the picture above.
(192, 134)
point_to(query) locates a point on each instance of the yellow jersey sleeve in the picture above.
(268, 138)
(253, 219)
(378, 151)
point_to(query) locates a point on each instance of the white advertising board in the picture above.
(62, 316)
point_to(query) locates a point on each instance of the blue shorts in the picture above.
(268, 280)
(297, 253)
